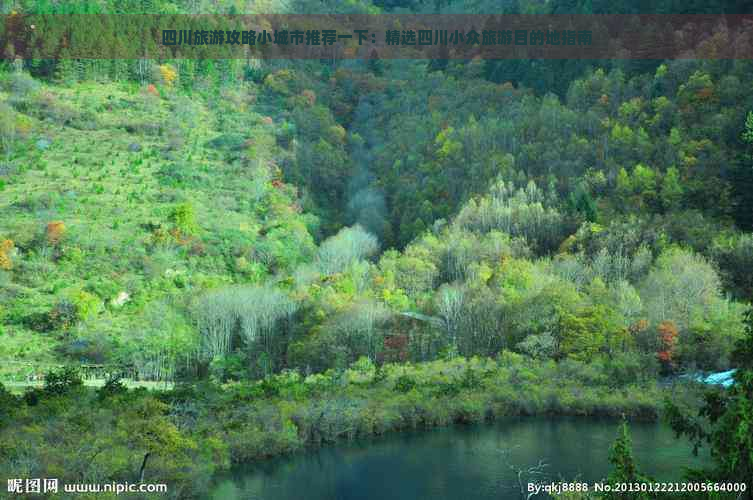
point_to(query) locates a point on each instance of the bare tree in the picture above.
(259, 311)
(681, 284)
(359, 328)
(217, 319)
(348, 245)
(250, 313)
(450, 304)
(7, 129)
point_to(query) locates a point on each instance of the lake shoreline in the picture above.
(363, 457)
(324, 409)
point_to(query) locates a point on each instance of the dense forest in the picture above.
(300, 251)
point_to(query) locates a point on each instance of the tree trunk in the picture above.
(143, 466)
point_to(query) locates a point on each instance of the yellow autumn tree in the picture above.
(168, 74)
(6, 247)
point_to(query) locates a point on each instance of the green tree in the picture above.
(375, 64)
(625, 469)
(671, 190)
(583, 334)
(724, 422)
(149, 432)
(184, 218)
(743, 178)
(624, 186)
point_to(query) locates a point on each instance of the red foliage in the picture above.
(197, 248)
(310, 97)
(395, 347)
(668, 337)
(705, 93)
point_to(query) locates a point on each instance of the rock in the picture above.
(43, 143)
(121, 299)
(134, 147)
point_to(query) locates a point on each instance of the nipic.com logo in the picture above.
(48, 485)
(36, 485)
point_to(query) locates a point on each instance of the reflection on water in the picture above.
(469, 463)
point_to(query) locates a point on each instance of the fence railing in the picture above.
(20, 371)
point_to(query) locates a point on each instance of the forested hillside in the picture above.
(323, 224)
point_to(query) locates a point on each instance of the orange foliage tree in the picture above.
(55, 231)
(668, 334)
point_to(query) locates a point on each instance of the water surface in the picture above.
(460, 462)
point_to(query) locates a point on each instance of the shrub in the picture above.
(184, 218)
(8, 404)
(470, 379)
(88, 350)
(404, 383)
(113, 387)
(87, 305)
(62, 316)
(21, 84)
(628, 368)
(61, 381)
(228, 142)
(229, 367)
(541, 346)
